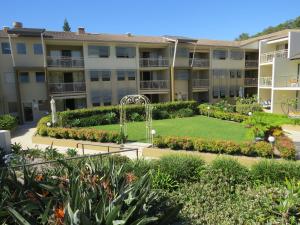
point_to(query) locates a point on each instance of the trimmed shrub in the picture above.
(216, 113)
(8, 122)
(181, 168)
(275, 171)
(230, 169)
(184, 113)
(286, 147)
(110, 114)
(263, 149)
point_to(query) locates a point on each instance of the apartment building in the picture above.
(80, 69)
(279, 71)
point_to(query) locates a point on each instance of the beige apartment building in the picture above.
(80, 69)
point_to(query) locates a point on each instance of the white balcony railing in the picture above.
(154, 62)
(268, 56)
(69, 62)
(253, 82)
(287, 81)
(265, 82)
(58, 88)
(154, 84)
(197, 62)
(251, 63)
(200, 83)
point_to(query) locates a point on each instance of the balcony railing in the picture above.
(197, 62)
(154, 84)
(265, 82)
(253, 82)
(251, 63)
(288, 81)
(154, 62)
(200, 83)
(58, 88)
(268, 56)
(69, 62)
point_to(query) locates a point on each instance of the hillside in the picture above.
(289, 24)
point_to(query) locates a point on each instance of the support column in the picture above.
(19, 100)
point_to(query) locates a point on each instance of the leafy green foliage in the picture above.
(8, 122)
(66, 26)
(289, 24)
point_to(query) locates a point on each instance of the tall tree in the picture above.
(66, 26)
(243, 36)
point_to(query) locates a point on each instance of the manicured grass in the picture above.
(197, 126)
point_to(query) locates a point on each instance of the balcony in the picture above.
(265, 82)
(251, 82)
(65, 62)
(251, 63)
(200, 83)
(154, 62)
(269, 56)
(154, 84)
(291, 81)
(198, 62)
(59, 88)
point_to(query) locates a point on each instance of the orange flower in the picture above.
(130, 177)
(39, 178)
(45, 193)
(59, 214)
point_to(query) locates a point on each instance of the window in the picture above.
(182, 75)
(5, 48)
(12, 107)
(94, 75)
(231, 91)
(131, 75)
(98, 51)
(105, 75)
(40, 77)
(106, 100)
(37, 49)
(125, 52)
(121, 75)
(43, 105)
(97, 75)
(21, 48)
(232, 73)
(239, 74)
(96, 101)
(24, 77)
(215, 92)
(220, 54)
(236, 54)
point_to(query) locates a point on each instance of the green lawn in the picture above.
(198, 126)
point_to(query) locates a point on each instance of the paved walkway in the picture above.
(24, 133)
(294, 133)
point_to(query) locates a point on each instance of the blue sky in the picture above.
(223, 19)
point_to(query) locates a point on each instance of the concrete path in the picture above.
(294, 133)
(24, 133)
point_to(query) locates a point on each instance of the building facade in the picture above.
(80, 69)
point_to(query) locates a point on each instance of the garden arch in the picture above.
(136, 99)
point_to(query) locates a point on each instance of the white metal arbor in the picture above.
(136, 99)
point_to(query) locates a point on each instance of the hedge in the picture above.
(262, 149)
(8, 122)
(110, 114)
(216, 113)
(88, 134)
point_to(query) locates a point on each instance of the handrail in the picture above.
(249, 63)
(154, 62)
(199, 62)
(287, 81)
(265, 81)
(268, 56)
(249, 81)
(67, 87)
(154, 84)
(65, 61)
(76, 157)
(198, 83)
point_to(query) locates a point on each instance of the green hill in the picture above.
(289, 24)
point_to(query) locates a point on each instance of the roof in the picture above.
(54, 35)
(74, 36)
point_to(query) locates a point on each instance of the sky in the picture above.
(212, 19)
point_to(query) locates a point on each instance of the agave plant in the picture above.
(85, 192)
